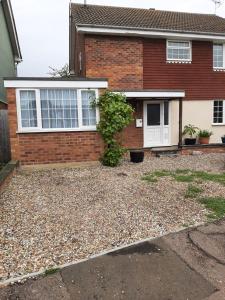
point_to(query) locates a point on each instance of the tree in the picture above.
(115, 115)
(63, 72)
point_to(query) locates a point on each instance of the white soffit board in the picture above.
(149, 33)
(54, 84)
(155, 94)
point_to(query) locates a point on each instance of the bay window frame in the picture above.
(39, 127)
(179, 59)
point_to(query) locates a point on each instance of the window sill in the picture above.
(218, 124)
(179, 61)
(56, 130)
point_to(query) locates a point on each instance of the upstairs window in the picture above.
(218, 56)
(179, 50)
(56, 110)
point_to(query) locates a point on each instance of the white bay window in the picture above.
(56, 109)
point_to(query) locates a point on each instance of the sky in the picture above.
(43, 27)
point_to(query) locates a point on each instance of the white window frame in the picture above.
(223, 67)
(218, 124)
(178, 59)
(39, 128)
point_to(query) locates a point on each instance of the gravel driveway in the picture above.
(53, 217)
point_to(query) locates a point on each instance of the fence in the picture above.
(4, 137)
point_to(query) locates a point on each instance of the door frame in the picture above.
(162, 116)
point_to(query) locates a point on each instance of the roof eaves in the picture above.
(150, 29)
(8, 12)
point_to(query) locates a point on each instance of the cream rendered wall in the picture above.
(200, 114)
(174, 121)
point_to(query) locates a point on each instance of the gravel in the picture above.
(52, 217)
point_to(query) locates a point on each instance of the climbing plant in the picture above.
(115, 115)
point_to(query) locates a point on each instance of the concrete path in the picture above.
(189, 265)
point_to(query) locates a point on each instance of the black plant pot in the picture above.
(190, 141)
(223, 139)
(136, 156)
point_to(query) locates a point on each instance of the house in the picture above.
(170, 66)
(10, 54)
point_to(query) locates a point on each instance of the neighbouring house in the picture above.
(10, 54)
(170, 66)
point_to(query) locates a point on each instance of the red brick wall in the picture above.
(132, 137)
(119, 59)
(38, 148)
(198, 79)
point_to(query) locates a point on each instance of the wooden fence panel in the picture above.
(5, 155)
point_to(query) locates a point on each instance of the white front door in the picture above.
(156, 123)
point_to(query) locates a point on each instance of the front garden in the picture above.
(53, 217)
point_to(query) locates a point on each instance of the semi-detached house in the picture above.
(170, 66)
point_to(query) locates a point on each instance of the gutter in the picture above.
(149, 31)
(10, 21)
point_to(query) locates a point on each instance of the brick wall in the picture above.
(54, 147)
(119, 59)
(132, 137)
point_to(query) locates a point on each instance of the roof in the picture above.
(10, 21)
(146, 19)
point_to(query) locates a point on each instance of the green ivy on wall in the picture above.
(115, 115)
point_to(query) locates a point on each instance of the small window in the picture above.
(28, 109)
(218, 112)
(88, 112)
(218, 56)
(153, 114)
(179, 50)
(166, 113)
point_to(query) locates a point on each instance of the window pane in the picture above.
(153, 114)
(88, 113)
(218, 112)
(166, 113)
(58, 107)
(218, 56)
(28, 109)
(178, 50)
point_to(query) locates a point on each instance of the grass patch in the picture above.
(185, 175)
(193, 191)
(51, 271)
(216, 205)
(183, 178)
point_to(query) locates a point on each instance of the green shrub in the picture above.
(115, 115)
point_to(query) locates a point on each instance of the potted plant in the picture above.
(223, 139)
(191, 131)
(204, 136)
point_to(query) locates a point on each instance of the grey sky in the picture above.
(43, 27)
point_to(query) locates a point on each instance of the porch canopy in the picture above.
(159, 95)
